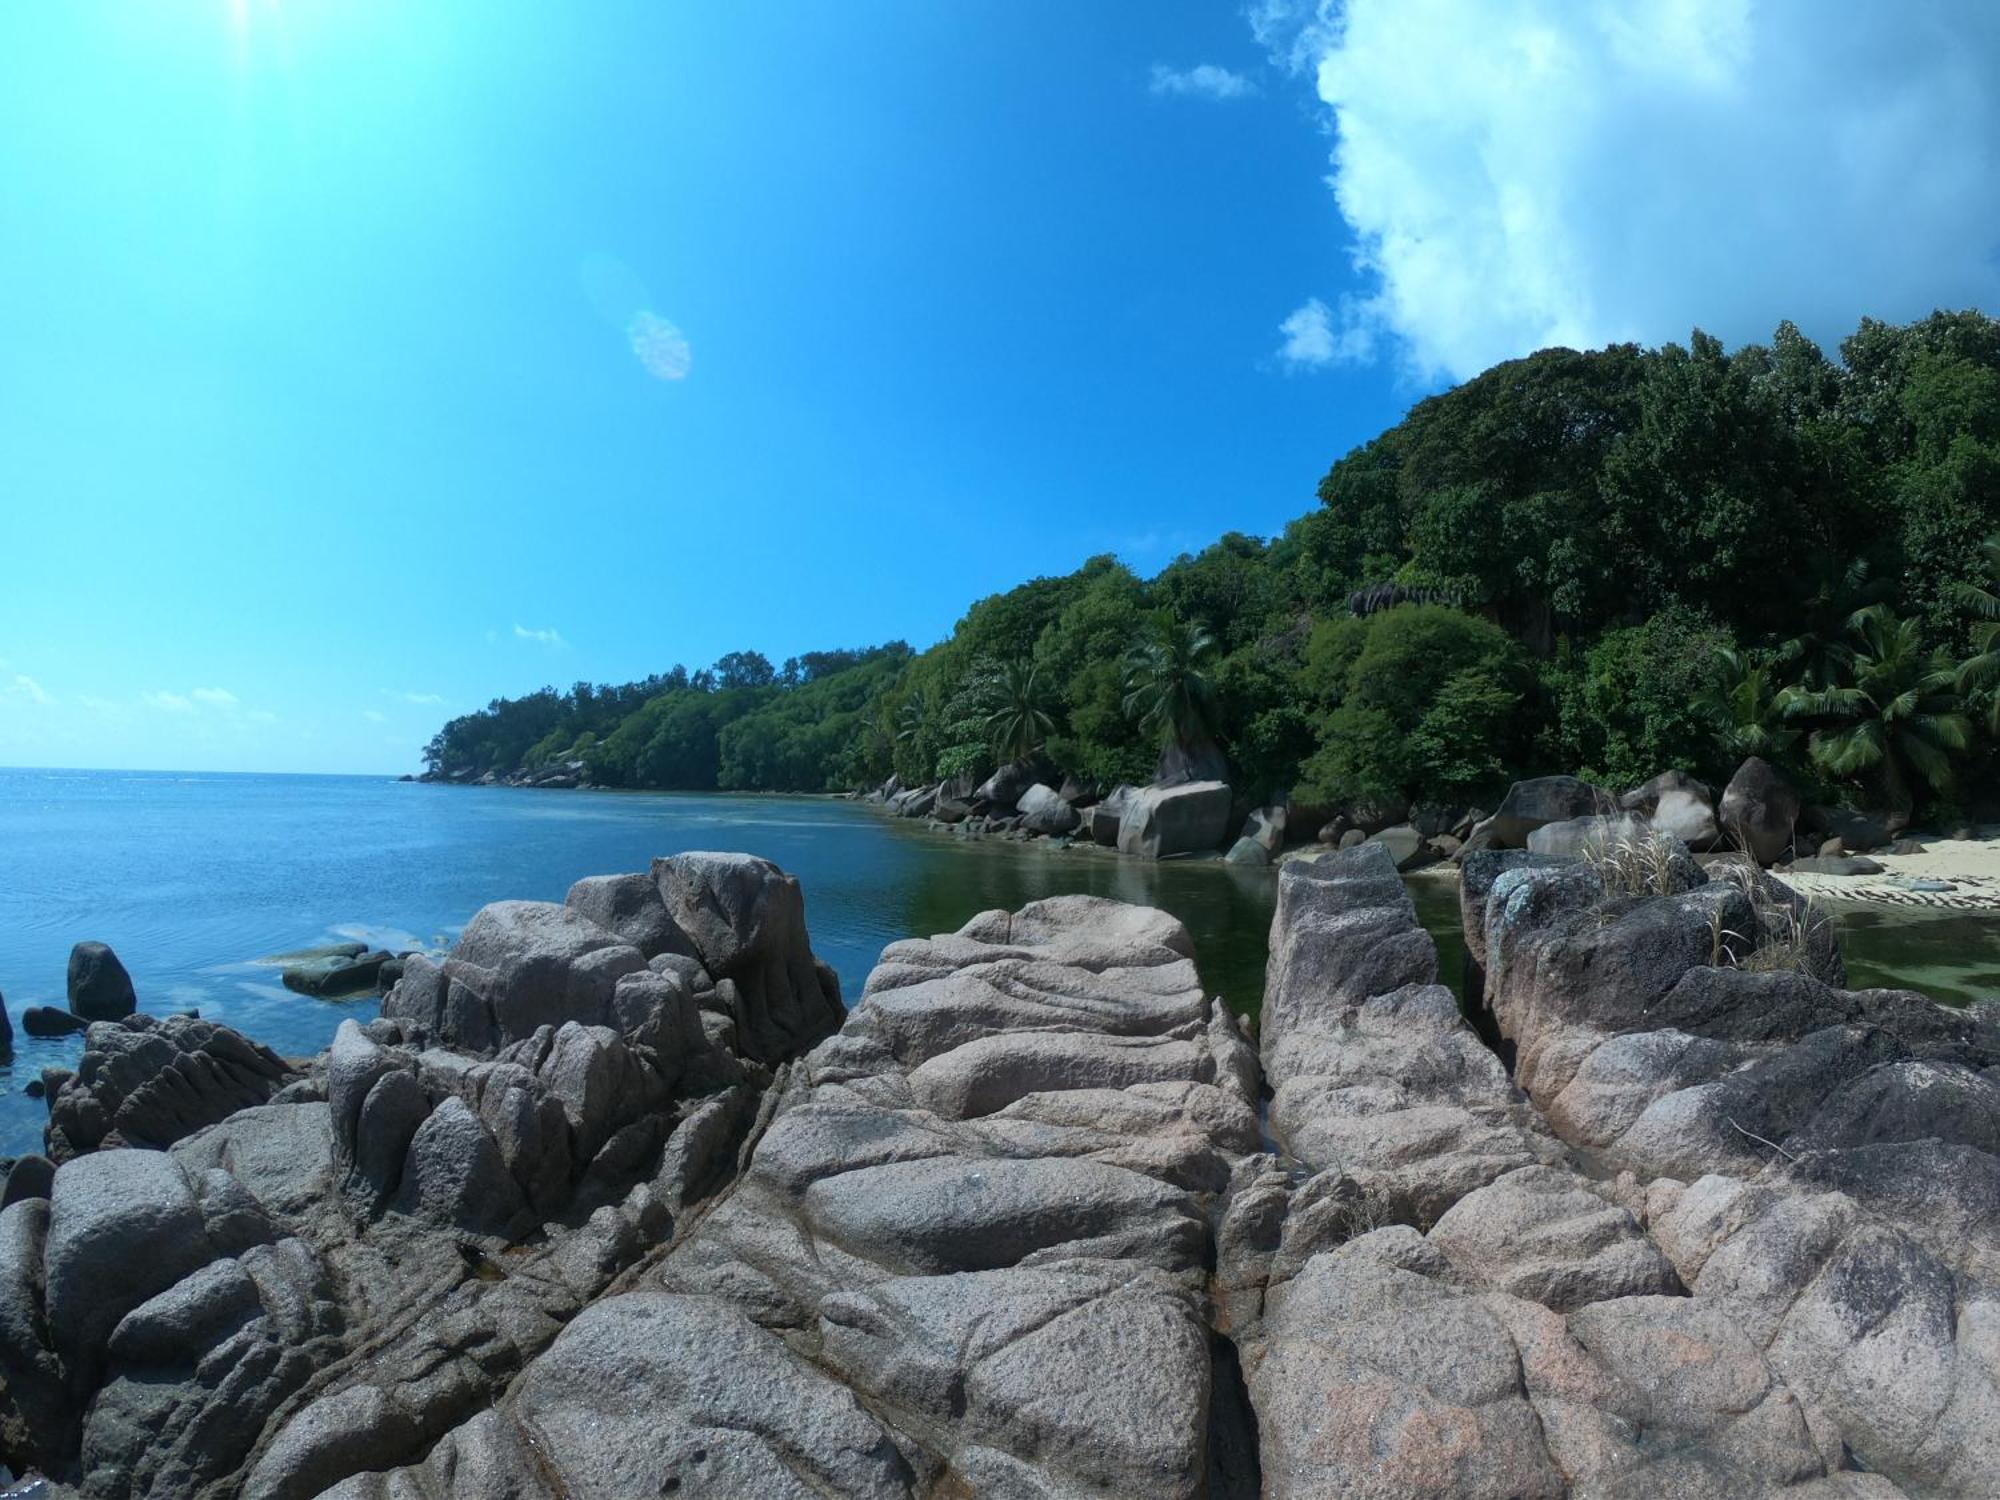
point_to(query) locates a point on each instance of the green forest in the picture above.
(1607, 563)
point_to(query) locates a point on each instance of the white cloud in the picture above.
(1316, 335)
(661, 347)
(1549, 173)
(214, 697)
(430, 699)
(1203, 81)
(168, 703)
(548, 637)
(25, 686)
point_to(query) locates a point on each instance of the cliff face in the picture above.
(600, 1208)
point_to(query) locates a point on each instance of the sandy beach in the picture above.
(1970, 868)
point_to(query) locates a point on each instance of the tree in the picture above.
(1747, 710)
(1425, 705)
(1020, 720)
(741, 669)
(1980, 672)
(1169, 692)
(1893, 711)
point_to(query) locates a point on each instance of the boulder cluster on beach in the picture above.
(617, 1198)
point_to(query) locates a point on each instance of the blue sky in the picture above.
(361, 361)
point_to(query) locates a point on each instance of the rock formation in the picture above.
(600, 1208)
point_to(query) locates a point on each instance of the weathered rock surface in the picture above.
(330, 1279)
(1819, 1165)
(1187, 818)
(747, 921)
(148, 1082)
(1436, 1300)
(967, 1255)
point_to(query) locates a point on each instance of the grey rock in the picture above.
(1108, 814)
(1044, 811)
(1758, 811)
(45, 1021)
(1541, 800)
(1593, 833)
(454, 1176)
(1004, 787)
(1182, 765)
(747, 921)
(1160, 821)
(149, 1082)
(29, 1177)
(1406, 846)
(123, 1227)
(99, 987)
(630, 906)
(1266, 827)
(1247, 851)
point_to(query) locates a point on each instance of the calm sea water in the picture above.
(195, 878)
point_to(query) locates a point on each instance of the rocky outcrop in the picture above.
(144, 1081)
(1535, 803)
(1442, 1297)
(1818, 1165)
(1016, 1229)
(967, 1255)
(99, 987)
(1161, 821)
(344, 1266)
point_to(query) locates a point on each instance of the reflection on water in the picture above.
(1951, 956)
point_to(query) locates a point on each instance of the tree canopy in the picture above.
(1606, 562)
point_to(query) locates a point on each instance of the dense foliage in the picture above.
(1608, 563)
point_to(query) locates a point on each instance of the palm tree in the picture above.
(910, 718)
(1746, 706)
(1981, 670)
(1169, 690)
(1892, 709)
(1020, 720)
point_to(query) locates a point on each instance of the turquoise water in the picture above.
(192, 878)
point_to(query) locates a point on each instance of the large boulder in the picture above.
(631, 907)
(1759, 811)
(1406, 846)
(1106, 816)
(1003, 789)
(1044, 811)
(1537, 802)
(1159, 821)
(747, 921)
(519, 966)
(6, 1031)
(1266, 827)
(1595, 833)
(99, 987)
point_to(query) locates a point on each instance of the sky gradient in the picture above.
(362, 362)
